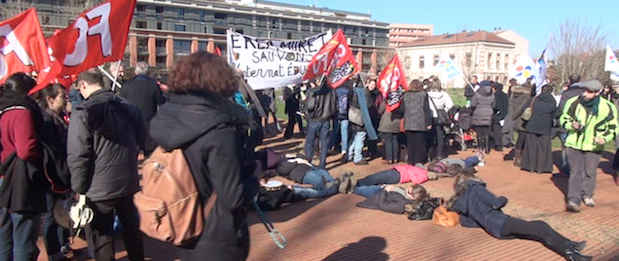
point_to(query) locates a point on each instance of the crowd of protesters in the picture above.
(91, 144)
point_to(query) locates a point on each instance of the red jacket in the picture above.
(18, 134)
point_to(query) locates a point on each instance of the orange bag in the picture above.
(445, 218)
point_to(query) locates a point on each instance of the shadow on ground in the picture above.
(368, 248)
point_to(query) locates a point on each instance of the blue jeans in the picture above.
(18, 235)
(355, 152)
(470, 162)
(370, 185)
(314, 128)
(54, 236)
(342, 125)
(314, 177)
(565, 165)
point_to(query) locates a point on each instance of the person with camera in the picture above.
(591, 122)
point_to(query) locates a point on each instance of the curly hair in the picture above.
(460, 186)
(203, 72)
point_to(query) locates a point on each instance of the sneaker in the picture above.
(572, 207)
(616, 179)
(481, 163)
(588, 201)
(345, 184)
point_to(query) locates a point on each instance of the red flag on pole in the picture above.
(218, 51)
(97, 36)
(335, 59)
(392, 82)
(22, 45)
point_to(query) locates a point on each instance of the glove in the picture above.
(80, 213)
(468, 104)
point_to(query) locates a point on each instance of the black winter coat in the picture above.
(416, 109)
(544, 109)
(520, 100)
(483, 105)
(478, 207)
(205, 128)
(320, 104)
(391, 202)
(102, 146)
(501, 102)
(24, 186)
(144, 93)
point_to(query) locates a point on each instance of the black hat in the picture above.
(60, 212)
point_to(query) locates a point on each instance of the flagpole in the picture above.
(108, 75)
(116, 76)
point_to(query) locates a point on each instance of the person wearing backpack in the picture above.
(340, 122)
(200, 120)
(102, 154)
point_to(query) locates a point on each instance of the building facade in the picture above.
(481, 53)
(163, 31)
(403, 34)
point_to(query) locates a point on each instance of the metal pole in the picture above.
(108, 75)
(116, 76)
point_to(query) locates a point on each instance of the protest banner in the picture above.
(269, 63)
(22, 45)
(335, 60)
(392, 82)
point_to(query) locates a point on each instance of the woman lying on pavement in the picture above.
(374, 183)
(478, 207)
(394, 199)
(455, 165)
(301, 171)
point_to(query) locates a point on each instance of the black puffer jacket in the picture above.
(205, 128)
(520, 100)
(391, 202)
(102, 146)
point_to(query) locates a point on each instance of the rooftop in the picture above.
(464, 37)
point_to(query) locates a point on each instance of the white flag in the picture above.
(611, 64)
(447, 69)
(524, 69)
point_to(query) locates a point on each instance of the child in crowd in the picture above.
(455, 165)
(478, 207)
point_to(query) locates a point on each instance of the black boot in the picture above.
(573, 255)
(578, 246)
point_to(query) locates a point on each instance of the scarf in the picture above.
(591, 105)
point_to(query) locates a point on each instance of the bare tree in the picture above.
(578, 47)
(14, 7)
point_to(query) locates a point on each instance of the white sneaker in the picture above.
(481, 163)
(588, 201)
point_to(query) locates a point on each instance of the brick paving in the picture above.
(335, 229)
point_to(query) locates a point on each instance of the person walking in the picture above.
(590, 122)
(520, 100)
(537, 152)
(575, 89)
(291, 98)
(483, 105)
(102, 152)
(417, 121)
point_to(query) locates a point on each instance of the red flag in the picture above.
(22, 45)
(218, 51)
(334, 59)
(97, 36)
(392, 82)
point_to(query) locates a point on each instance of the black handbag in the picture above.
(425, 209)
(442, 117)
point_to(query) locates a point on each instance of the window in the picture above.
(202, 46)
(179, 27)
(182, 47)
(436, 59)
(260, 34)
(159, 9)
(202, 14)
(219, 30)
(139, 8)
(363, 42)
(181, 12)
(422, 62)
(489, 62)
(469, 60)
(140, 24)
(159, 27)
(498, 61)
(452, 56)
(239, 31)
(367, 31)
(221, 16)
(289, 36)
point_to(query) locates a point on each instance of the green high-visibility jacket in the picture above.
(603, 125)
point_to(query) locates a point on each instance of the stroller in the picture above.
(460, 131)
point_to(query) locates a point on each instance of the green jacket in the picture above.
(603, 125)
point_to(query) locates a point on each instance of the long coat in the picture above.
(483, 107)
(521, 98)
(544, 109)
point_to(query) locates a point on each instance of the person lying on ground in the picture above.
(397, 175)
(479, 207)
(455, 165)
(301, 171)
(394, 199)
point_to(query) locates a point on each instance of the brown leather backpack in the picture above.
(169, 206)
